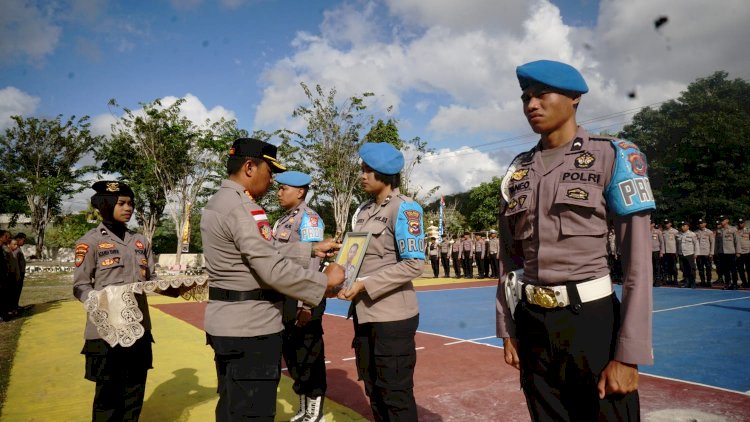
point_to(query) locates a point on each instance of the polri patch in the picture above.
(264, 227)
(585, 160)
(637, 163)
(414, 219)
(81, 250)
(408, 231)
(139, 245)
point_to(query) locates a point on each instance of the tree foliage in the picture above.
(41, 160)
(697, 149)
(68, 229)
(183, 158)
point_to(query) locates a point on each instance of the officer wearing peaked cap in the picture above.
(743, 261)
(556, 201)
(669, 261)
(728, 249)
(109, 262)
(705, 253)
(303, 347)
(248, 278)
(385, 310)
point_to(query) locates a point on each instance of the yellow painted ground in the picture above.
(47, 384)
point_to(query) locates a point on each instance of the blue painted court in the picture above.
(700, 335)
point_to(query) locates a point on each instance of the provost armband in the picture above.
(629, 191)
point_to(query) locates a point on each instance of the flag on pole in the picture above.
(440, 225)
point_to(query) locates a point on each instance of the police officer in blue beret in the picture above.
(577, 349)
(302, 346)
(384, 303)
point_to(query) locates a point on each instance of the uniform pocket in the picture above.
(577, 205)
(376, 246)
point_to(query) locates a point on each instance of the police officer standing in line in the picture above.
(110, 257)
(728, 249)
(479, 255)
(493, 249)
(467, 248)
(384, 303)
(248, 279)
(577, 348)
(669, 261)
(456, 256)
(657, 252)
(445, 250)
(687, 246)
(302, 347)
(743, 261)
(433, 251)
(717, 261)
(705, 253)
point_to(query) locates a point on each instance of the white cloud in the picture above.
(14, 102)
(27, 30)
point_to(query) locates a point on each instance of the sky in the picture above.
(444, 69)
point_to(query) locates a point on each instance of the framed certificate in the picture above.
(351, 255)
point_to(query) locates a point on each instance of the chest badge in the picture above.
(517, 202)
(577, 193)
(519, 175)
(585, 160)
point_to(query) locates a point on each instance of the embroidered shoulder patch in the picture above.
(629, 191)
(139, 245)
(264, 227)
(311, 227)
(408, 231)
(81, 250)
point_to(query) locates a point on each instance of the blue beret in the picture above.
(382, 157)
(295, 179)
(553, 74)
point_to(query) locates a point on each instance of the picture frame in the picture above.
(351, 255)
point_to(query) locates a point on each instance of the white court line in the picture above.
(349, 358)
(419, 348)
(471, 340)
(701, 304)
(694, 383)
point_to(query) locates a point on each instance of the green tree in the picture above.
(68, 229)
(697, 149)
(187, 159)
(41, 159)
(483, 201)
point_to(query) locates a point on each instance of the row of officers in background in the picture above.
(465, 253)
(727, 248)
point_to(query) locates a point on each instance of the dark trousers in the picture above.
(304, 354)
(434, 261)
(728, 268)
(687, 263)
(562, 354)
(704, 269)
(493, 265)
(743, 267)
(669, 264)
(480, 263)
(446, 264)
(386, 358)
(17, 293)
(456, 257)
(248, 370)
(467, 264)
(656, 267)
(120, 377)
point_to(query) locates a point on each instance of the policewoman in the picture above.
(302, 347)
(248, 279)
(109, 261)
(385, 308)
(577, 347)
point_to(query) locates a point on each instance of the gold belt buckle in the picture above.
(544, 297)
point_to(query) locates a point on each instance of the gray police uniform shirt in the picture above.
(670, 240)
(467, 245)
(494, 246)
(21, 259)
(687, 243)
(288, 229)
(389, 292)
(445, 247)
(556, 222)
(727, 240)
(240, 256)
(102, 259)
(744, 235)
(456, 246)
(657, 241)
(705, 242)
(479, 247)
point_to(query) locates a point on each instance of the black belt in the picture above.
(269, 295)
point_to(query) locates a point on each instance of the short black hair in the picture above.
(394, 180)
(234, 164)
(20, 235)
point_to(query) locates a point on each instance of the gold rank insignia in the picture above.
(519, 174)
(585, 160)
(577, 193)
(106, 245)
(113, 187)
(110, 261)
